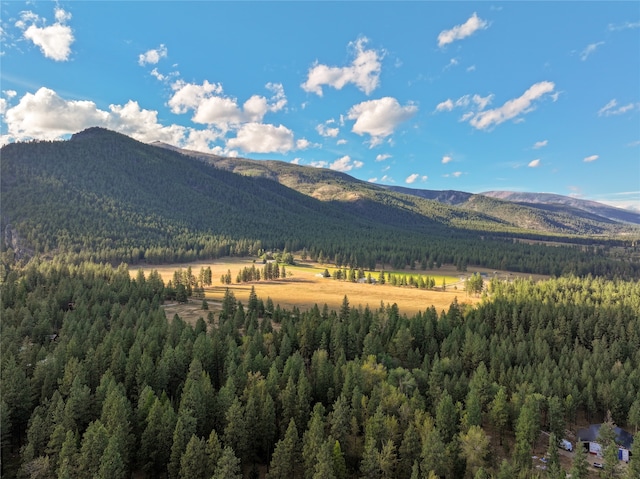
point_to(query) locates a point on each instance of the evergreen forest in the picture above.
(97, 381)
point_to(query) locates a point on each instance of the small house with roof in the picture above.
(589, 439)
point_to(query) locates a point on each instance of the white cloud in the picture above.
(296, 161)
(455, 174)
(319, 164)
(364, 72)
(54, 40)
(325, 130)
(345, 164)
(383, 156)
(446, 105)
(189, 95)
(512, 108)
(302, 144)
(372, 180)
(446, 159)
(46, 116)
(623, 26)
(482, 102)
(534, 163)
(278, 99)
(412, 178)
(472, 68)
(341, 141)
(591, 158)
(415, 176)
(540, 144)
(223, 112)
(388, 179)
(153, 56)
(589, 50)
(472, 25)
(379, 118)
(10, 93)
(610, 108)
(464, 102)
(3, 106)
(263, 138)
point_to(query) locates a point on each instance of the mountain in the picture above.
(571, 217)
(103, 196)
(599, 209)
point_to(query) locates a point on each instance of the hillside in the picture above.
(106, 197)
(549, 214)
(559, 201)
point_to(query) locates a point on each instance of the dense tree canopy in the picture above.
(96, 381)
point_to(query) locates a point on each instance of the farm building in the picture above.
(589, 436)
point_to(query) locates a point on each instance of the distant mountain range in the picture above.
(539, 212)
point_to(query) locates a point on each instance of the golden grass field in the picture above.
(302, 288)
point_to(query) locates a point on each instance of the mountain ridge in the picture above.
(573, 216)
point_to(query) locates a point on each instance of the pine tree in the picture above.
(323, 468)
(580, 466)
(228, 466)
(112, 465)
(339, 465)
(235, 432)
(285, 463)
(554, 470)
(194, 461)
(185, 428)
(94, 443)
(499, 411)
(475, 447)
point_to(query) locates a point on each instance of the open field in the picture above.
(303, 288)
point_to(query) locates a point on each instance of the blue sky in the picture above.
(471, 96)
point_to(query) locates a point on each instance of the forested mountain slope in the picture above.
(549, 214)
(106, 197)
(602, 210)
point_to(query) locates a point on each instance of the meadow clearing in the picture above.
(303, 288)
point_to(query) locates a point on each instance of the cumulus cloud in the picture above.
(263, 138)
(363, 72)
(540, 144)
(383, 156)
(45, 115)
(3, 106)
(472, 25)
(534, 163)
(415, 176)
(446, 105)
(379, 118)
(591, 158)
(446, 159)
(211, 108)
(512, 109)
(296, 161)
(54, 40)
(324, 129)
(373, 180)
(345, 164)
(612, 108)
(153, 56)
(589, 50)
